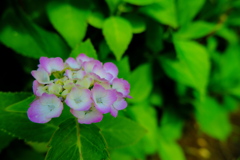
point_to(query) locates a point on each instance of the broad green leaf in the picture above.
(228, 34)
(123, 67)
(21, 106)
(195, 30)
(140, 2)
(85, 47)
(18, 125)
(163, 12)
(171, 126)
(103, 50)
(39, 147)
(169, 150)
(113, 5)
(28, 39)
(213, 118)
(118, 35)
(140, 83)
(5, 140)
(156, 99)
(11, 98)
(74, 141)
(115, 155)
(120, 131)
(146, 115)
(138, 24)
(193, 66)
(188, 9)
(69, 17)
(96, 19)
(154, 37)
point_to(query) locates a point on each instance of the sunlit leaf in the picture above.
(193, 66)
(140, 2)
(28, 39)
(146, 115)
(69, 17)
(163, 12)
(96, 19)
(141, 83)
(120, 131)
(195, 30)
(213, 118)
(138, 24)
(118, 34)
(188, 9)
(77, 142)
(85, 47)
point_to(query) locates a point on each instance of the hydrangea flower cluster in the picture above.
(87, 86)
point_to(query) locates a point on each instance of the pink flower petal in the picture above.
(79, 99)
(83, 58)
(88, 117)
(121, 86)
(41, 76)
(111, 68)
(114, 112)
(51, 64)
(73, 63)
(38, 88)
(42, 110)
(98, 70)
(103, 98)
(88, 66)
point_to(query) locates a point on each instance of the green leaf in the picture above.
(123, 67)
(140, 83)
(193, 66)
(140, 2)
(21, 106)
(118, 34)
(169, 150)
(28, 39)
(163, 12)
(195, 30)
(146, 115)
(18, 125)
(120, 131)
(77, 142)
(188, 9)
(69, 17)
(138, 24)
(213, 118)
(96, 19)
(113, 5)
(5, 140)
(171, 126)
(10, 98)
(85, 47)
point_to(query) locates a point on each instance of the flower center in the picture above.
(99, 100)
(78, 100)
(51, 107)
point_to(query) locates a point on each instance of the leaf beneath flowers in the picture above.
(120, 131)
(74, 141)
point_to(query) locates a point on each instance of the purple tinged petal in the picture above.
(88, 117)
(98, 70)
(73, 63)
(103, 98)
(38, 88)
(51, 64)
(45, 108)
(69, 74)
(79, 99)
(121, 86)
(89, 65)
(111, 68)
(83, 58)
(41, 76)
(114, 112)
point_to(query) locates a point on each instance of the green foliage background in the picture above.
(181, 57)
